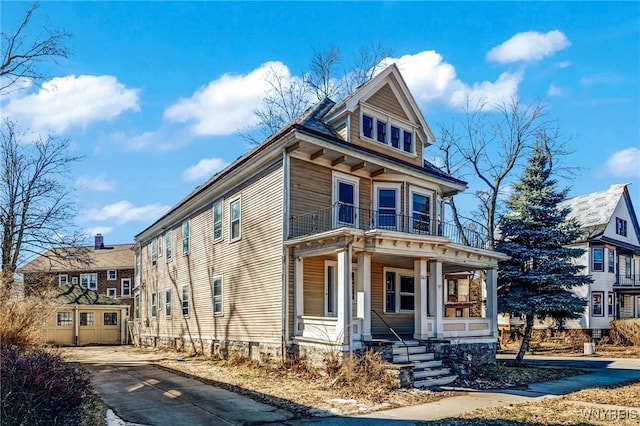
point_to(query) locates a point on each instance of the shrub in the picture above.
(625, 332)
(39, 388)
(364, 376)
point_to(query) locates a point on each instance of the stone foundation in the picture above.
(463, 352)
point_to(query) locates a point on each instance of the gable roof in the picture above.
(595, 211)
(75, 294)
(63, 259)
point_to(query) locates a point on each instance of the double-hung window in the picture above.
(611, 260)
(621, 227)
(154, 251)
(217, 220)
(399, 290)
(597, 259)
(367, 126)
(89, 281)
(217, 293)
(388, 131)
(235, 210)
(407, 145)
(395, 137)
(382, 132)
(185, 300)
(154, 304)
(596, 303)
(126, 287)
(345, 199)
(167, 303)
(168, 245)
(387, 201)
(63, 279)
(610, 305)
(112, 275)
(185, 237)
(420, 212)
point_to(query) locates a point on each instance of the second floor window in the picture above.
(126, 287)
(185, 237)
(89, 281)
(597, 259)
(236, 214)
(168, 245)
(387, 208)
(621, 227)
(420, 213)
(611, 260)
(154, 251)
(112, 275)
(217, 221)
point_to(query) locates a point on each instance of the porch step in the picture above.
(430, 373)
(402, 350)
(435, 381)
(413, 358)
(427, 371)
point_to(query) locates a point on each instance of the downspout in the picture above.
(285, 255)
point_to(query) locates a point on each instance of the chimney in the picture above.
(99, 242)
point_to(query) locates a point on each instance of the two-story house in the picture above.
(109, 270)
(328, 236)
(612, 257)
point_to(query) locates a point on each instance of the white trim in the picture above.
(218, 202)
(115, 275)
(186, 222)
(114, 290)
(398, 209)
(60, 280)
(231, 220)
(88, 286)
(424, 192)
(338, 178)
(213, 296)
(168, 245)
(378, 115)
(334, 288)
(122, 281)
(399, 272)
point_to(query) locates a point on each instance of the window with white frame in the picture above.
(597, 259)
(330, 288)
(167, 302)
(159, 239)
(87, 319)
(388, 131)
(611, 260)
(138, 266)
(610, 304)
(154, 251)
(399, 290)
(235, 216)
(627, 266)
(125, 283)
(63, 279)
(217, 220)
(64, 319)
(74, 280)
(185, 237)
(185, 300)
(89, 281)
(596, 303)
(345, 199)
(217, 294)
(154, 304)
(420, 206)
(387, 202)
(111, 292)
(168, 245)
(112, 275)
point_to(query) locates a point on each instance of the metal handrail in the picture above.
(395, 334)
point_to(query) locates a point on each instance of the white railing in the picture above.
(326, 328)
(466, 327)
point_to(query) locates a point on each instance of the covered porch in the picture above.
(352, 287)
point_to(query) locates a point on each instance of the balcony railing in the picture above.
(632, 281)
(342, 215)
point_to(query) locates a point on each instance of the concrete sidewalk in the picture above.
(142, 393)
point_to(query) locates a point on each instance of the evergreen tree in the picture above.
(537, 281)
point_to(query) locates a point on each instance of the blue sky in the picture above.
(154, 93)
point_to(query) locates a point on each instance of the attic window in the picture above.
(388, 131)
(621, 227)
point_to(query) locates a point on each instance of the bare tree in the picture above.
(490, 144)
(36, 213)
(288, 97)
(21, 53)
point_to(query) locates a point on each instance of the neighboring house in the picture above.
(328, 236)
(109, 270)
(84, 317)
(612, 257)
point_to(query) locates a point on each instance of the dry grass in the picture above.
(619, 405)
(604, 350)
(502, 376)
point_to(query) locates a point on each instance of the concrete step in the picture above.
(402, 350)
(414, 358)
(435, 381)
(430, 373)
(427, 364)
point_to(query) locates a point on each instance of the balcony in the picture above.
(628, 282)
(347, 216)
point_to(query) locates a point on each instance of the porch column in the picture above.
(420, 331)
(343, 330)
(298, 294)
(363, 300)
(435, 277)
(491, 284)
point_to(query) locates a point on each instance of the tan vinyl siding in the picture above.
(310, 187)
(314, 292)
(386, 100)
(402, 323)
(251, 269)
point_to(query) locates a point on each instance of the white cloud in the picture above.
(555, 90)
(607, 79)
(123, 212)
(564, 64)
(624, 163)
(432, 80)
(227, 104)
(65, 102)
(104, 230)
(99, 183)
(204, 169)
(529, 46)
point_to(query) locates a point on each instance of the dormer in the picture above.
(382, 115)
